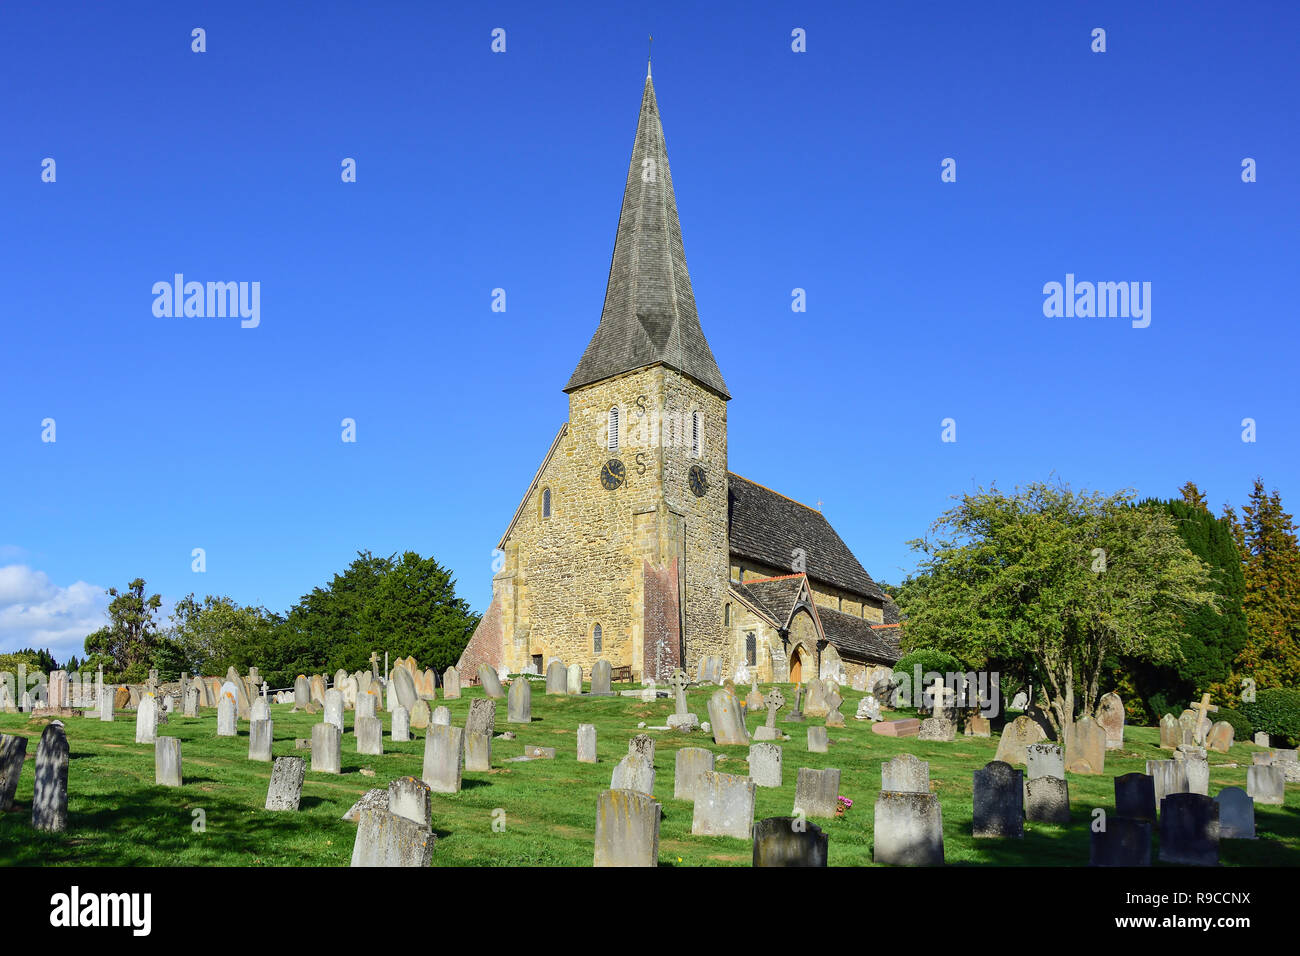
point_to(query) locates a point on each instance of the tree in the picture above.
(129, 639)
(1055, 584)
(414, 611)
(217, 633)
(1266, 537)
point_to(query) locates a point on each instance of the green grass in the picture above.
(117, 816)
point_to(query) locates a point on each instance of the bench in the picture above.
(621, 674)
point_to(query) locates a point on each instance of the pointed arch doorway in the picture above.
(796, 666)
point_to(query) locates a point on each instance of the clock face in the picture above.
(699, 483)
(612, 475)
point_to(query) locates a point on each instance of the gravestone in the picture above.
(442, 717)
(833, 701)
(868, 709)
(1196, 767)
(1267, 784)
(1110, 715)
(400, 725)
(690, 763)
(370, 736)
(1202, 708)
(386, 839)
(710, 671)
(788, 841)
(167, 762)
(1261, 738)
(774, 701)
(978, 726)
(1261, 760)
(491, 684)
(905, 773)
(908, 829)
(1122, 842)
(1020, 701)
(557, 678)
(1220, 737)
(816, 704)
(1135, 796)
(285, 790)
(907, 727)
(482, 717)
(261, 735)
(627, 829)
(649, 691)
(478, 753)
(816, 792)
(1189, 830)
(1168, 776)
(573, 679)
(334, 708)
(644, 745)
(110, 695)
(536, 752)
(586, 743)
(1047, 800)
(13, 751)
(451, 684)
(50, 788)
(404, 687)
(1171, 732)
(1016, 738)
(409, 797)
(634, 772)
(1044, 760)
(1236, 814)
(316, 683)
(260, 710)
(519, 709)
(724, 715)
(420, 717)
(818, 742)
(600, 673)
(326, 749)
(1085, 748)
(227, 712)
(998, 801)
(937, 728)
(146, 720)
(681, 719)
(444, 759)
(724, 805)
(765, 764)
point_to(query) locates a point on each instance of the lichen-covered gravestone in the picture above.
(905, 773)
(386, 839)
(634, 772)
(627, 829)
(1110, 715)
(816, 792)
(1016, 738)
(409, 797)
(908, 829)
(285, 790)
(765, 764)
(724, 715)
(478, 753)
(444, 759)
(482, 717)
(50, 790)
(690, 763)
(491, 684)
(419, 716)
(1171, 732)
(13, 751)
(724, 805)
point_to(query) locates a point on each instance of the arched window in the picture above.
(751, 649)
(595, 639)
(726, 614)
(695, 434)
(546, 502)
(613, 428)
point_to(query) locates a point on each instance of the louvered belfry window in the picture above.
(613, 428)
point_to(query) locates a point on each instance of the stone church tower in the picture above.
(619, 548)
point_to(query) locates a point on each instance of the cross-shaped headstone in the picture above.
(374, 663)
(265, 686)
(678, 683)
(775, 700)
(1204, 708)
(939, 693)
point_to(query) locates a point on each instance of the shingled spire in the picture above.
(649, 315)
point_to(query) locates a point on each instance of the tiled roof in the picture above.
(768, 527)
(649, 315)
(857, 639)
(777, 596)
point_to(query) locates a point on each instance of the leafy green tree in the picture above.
(1054, 584)
(415, 612)
(131, 635)
(217, 633)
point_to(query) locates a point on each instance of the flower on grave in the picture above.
(846, 802)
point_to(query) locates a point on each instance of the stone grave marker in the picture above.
(285, 790)
(401, 725)
(146, 720)
(482, 717)
(787, 841)
(334, 708)
(444, 759)
(50, 788)
(816, 704)
(13, 751)
(905, 773)
(1085, 748)
(409, 797)
(370, 736)
(690, 763)
(478, 753)
(1203, 709)
(1044, 760)
(796, 714)
(1196, 767)
(1267, 784)
(644, 745)
(816, 792)
(724, 715)
(326, 749)
(442, 717)
(868, 709)
(260, 710)
(491, 684)
(627, 829)
(420, 717)
(724, 805)
(404, 687)
(1135, 797)
(1220, 737)
(519, 709)
(978, 726)
(998, 801)
(1189, 830)
(634, 772)
(600, 675)
(1016, 738)
(301, 692)
(167, 762)
(818, 742)
(573, 680)
(557, 678)
(774, 701)
(1047, 800)
(1122, 842)
(908, 829)
(907, 727)
(586, 743)
(451, 684)
(1168, 776)
(227, 713)
(765, 764)
(386, 839)
(681, 719)
(1171, 732)
(261, 735)
(1110, 715)
(1236, 814)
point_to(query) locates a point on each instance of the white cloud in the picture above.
(37, 613)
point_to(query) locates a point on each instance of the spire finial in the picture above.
(648, 52)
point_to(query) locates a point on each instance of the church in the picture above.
(634, 543)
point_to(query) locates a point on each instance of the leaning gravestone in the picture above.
(1267, 784)
(908, 829)
(167, 762)
(326, 749)
(724, 805)
(1085, 749)
(1122, 842)
(690, 763)
(788, 841)
(451, 684)
(444, 759)
(634, 772)
(491, 684)
(146, 720)
(519, 708)
(1236, 814)
(386, 839)
(765, 764)
(1135, 797)
(1168, 776)
(1220, 737)
(261, 735)
(1016, 737)
(1171, 732)
(285, 790)
(586, 743)
(557, 678)
(482, 717)
(600, 675)
(404, 687)
(13, 751)
(816, 792)
(1189, 830)
(50, 789)
(906, 773)
(227, 711)
(724, 715)
(370, 736)
(1110, 715)
(998, 801)
(627, 829)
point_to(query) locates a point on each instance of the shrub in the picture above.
(1242, 729)
(1276, 711)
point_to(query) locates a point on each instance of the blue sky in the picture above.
(476, 170)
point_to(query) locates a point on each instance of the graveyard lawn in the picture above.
(539, 812)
